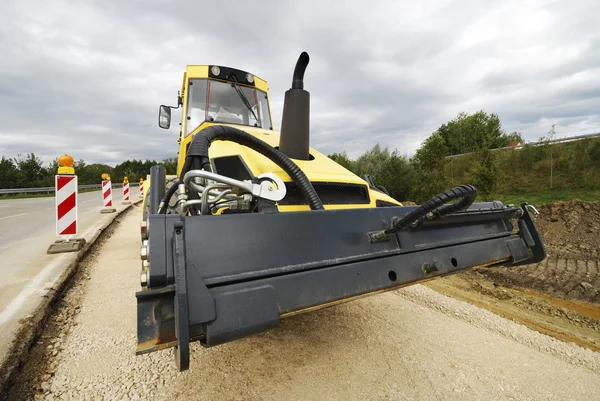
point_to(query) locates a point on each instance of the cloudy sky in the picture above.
(86, 77)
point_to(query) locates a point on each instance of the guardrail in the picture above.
(51, 189)
(559, 140)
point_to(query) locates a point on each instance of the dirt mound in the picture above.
(558, 278)
(570, 229)
(571, 233)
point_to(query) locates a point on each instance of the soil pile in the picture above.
(570, 229)
(571, 233)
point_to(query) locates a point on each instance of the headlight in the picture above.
(215, 70)
(249, 78)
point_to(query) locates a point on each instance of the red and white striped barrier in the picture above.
(126, 191)
(107, 193)
(141, 189)
(66, 206)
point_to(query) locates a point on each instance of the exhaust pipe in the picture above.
(294, 140)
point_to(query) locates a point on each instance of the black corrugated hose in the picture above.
(437, 207)
(164, 203)
(198, 150)
(169, 193)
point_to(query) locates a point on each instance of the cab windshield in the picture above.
(217, 101)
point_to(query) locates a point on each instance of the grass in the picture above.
(550, 195)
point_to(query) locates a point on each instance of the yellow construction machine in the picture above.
(257, 225)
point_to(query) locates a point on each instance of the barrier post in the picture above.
(126, 199)
(107, 194)
(67, 226)
(141, 187)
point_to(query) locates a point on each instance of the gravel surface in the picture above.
(407, 344)
(568, 320)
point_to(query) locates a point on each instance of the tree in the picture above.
(169, 164)
(484, 173)
(515, 137)
(32, 169)
(431, 155)
(10, 176)
(371, 162)
(474, 133)
(466, 132)
(29, 171)
(397, 176)
(429, 168)
(388, 169)
(342, 159)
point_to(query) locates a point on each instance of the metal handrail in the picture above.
(51, 189)
(553, 141)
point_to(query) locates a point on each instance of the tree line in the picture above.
(28, 171)
(425, 174)
(573, 165)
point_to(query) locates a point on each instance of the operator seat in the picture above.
(227, 117)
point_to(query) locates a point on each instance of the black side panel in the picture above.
(160, 249)
(157, 251)
(539, 251)
(231, 166)
(182, 325)
(518, 250)
(316, 287)
(158, 181)
(250, 311)
(330, 193)
(241, 247)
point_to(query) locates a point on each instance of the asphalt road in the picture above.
(27, 272)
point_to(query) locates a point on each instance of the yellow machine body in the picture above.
(320, 169)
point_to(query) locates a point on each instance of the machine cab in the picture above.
(212, 94)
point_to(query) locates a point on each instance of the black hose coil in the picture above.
(198, 150)
(437, 207)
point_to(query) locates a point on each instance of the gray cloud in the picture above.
(87, 77)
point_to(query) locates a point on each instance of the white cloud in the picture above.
(87, 77)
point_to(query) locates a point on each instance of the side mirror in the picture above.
(164, 117)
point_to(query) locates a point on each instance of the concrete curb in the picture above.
(31, 327)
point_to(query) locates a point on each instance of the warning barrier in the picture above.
(141, 187)
(126, 199)
(65, 184)
(107, 193)
(66, 206)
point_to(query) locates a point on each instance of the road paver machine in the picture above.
(257, 225)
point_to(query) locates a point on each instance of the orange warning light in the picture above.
(65, 165)
(65, 161)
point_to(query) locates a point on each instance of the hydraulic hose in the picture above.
(437, 207)
(198, 150)
(164, 203)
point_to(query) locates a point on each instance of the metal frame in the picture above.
(218, 279)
